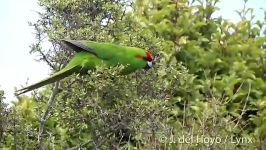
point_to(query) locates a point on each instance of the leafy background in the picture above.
(208, 81)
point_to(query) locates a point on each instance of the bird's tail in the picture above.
(57, 76)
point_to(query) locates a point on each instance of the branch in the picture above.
(45, 114)
(244, 107)
(44, 57)
(184, 114)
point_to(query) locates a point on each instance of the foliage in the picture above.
(227, 58)
(2, 117)
(208, 82)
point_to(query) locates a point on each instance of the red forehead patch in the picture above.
(148, 56)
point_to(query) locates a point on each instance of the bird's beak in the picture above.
(149, 65)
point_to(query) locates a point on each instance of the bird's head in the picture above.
(148, 58)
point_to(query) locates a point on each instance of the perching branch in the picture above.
(46, 113)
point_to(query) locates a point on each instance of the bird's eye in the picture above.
(140, 57)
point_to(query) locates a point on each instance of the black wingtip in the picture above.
(77, 46)
(71, 44)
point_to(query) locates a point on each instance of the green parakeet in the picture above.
(89, 54)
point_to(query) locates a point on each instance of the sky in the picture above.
(17, 66)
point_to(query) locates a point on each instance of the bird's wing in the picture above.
(104, 51)
(78, 46)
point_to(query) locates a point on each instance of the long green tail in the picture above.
(55, 77)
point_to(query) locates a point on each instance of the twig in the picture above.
(244, 107)
(238, 89)
(45, 58)
(45, 114)
(184, 113)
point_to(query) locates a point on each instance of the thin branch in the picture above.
(46, 113)
(184, 113)
(244, 107)
(44, 57)
(238, 89)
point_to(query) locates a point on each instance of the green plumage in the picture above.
(89, 54)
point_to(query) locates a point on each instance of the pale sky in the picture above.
(16, 35)
(17, 65)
